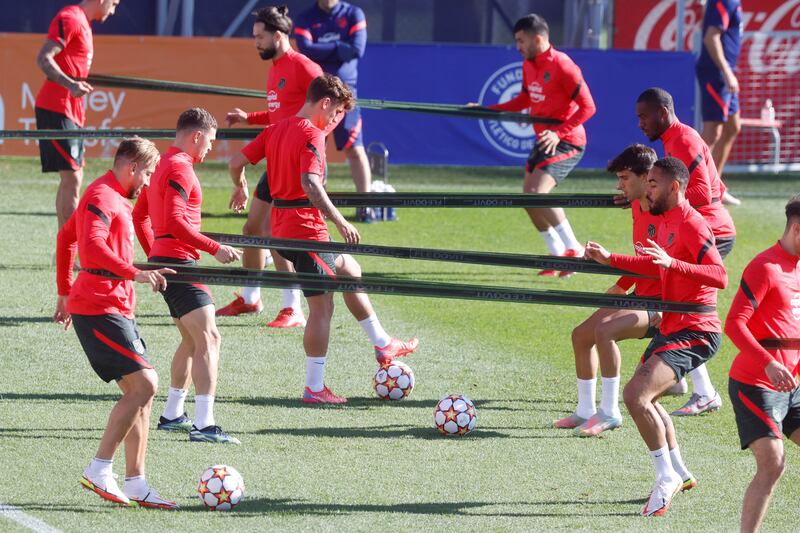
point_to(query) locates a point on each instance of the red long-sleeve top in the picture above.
(167, 215)
(553, 87)
(100, 231)
(696, 271)
(645, 226)
(766, 306)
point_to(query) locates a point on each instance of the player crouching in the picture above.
(102, 311)
(295, 152)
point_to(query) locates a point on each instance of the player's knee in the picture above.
(732, 129)
(71, 181)
(255, 228)
(632, 396)
(581, 336)
(772, 469)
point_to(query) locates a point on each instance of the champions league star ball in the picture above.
(221, 488)
(455, 415)
(393, 381)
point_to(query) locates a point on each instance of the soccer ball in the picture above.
(221, 488)
(393, 381)
(455, 415)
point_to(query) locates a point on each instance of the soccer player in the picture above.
(597, 336)
(763, 382)
(287, 85)
(167, 222)
(65, 58)
(719, 87)
(553, 87)
(102, 311)
(295, 152)
(657, 120)
(690, 268)
(334, 34)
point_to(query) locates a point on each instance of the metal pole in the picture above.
(187, 18)
(161, 17)
(680, 30)
(243, 13)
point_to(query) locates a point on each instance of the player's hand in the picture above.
(227, 254)
(597, 253)
(154, 278)
(239, 198)
(547, 141)
(659, 255)
(732, 82)
(473, 104)
(348, 232)
(80, 88)
(62, 316)
(237, 116)
(622, 200)
(780, 376)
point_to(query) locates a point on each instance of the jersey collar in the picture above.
(114, 183)
(784, 254)
(672, 131)
(547, 55)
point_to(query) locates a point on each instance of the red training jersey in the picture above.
(292, 147)
(705, 189)
(167, 214)
(100, 230)
(71, 30)
(553, 87)
(645, 226)
(767, 305)
(696, 271)
(287, 85)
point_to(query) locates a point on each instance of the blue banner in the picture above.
(457, 74)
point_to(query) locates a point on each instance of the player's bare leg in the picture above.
(315, 342)
(359, 167)
(68, 194)
(722, 149)
(138, 390)
(206, 339)
(257, 225)
(540, 182)
(181, 367)
(770, 465)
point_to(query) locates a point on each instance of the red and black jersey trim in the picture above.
(177, 186)
(697, 160)
(704, 250)
(749, 293)
(576, 91)
(96, 210)
(315, 152)
(61, 34)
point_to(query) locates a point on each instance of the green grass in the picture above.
(371, 465)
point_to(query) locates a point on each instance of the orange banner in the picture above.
(229, 62)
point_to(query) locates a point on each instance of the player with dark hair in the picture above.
(167, 222)
(295, 152)
(66, 58)
(552, 87)
(690, 268)
(719, 88)
(100, 304)
(596, 337)
(763, 383)
(334, 34)
(287, 85)
(656, 113)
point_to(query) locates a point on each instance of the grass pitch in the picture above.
(371, 465)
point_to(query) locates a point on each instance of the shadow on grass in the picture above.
(49, 433)
(59, 397)
(371, 402)
(29, 213)
(63, 508)
(13, 321)
(380, 432)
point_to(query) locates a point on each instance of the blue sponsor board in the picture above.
(457, 74)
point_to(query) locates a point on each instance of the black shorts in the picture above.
(725, 245)
(183, 298)
(113, 345)
(557, 165)
(762, 412)
(56, 155)
(652, 330)
(312, 263)
(684, 350)
(348, 133)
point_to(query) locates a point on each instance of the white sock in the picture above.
(564, 230)
(175, 407)
(315, 373)
(251, 295)
(702, 382)
(553, 241)
(291, 298)
(136, 487)
(98, 469)
(609, 400)
(586, 398)
(677, 464)
(377, 335)
(663, 463)
(203, 411)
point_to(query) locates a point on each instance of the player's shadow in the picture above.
(59, 434)
(59, 397)
(379, 432)
(29, 213)
(13, 321)
(372, 402)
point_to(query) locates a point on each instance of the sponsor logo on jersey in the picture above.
(795, 302)
(330, 37)
(510, 138)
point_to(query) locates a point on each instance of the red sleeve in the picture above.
(708, 268)
(626, 282)
(94, 238)
(258, 118)
(306, 72)
(753, 288)
(142, 224)
(573, 83)
(176, 195)
(698, 190)
(312, 159)
(519, 102)
(638, 264)
(256, 150)
(62, 29)
(66, 246)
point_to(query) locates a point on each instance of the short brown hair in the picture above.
(637, 158)
(275, 18)
(196, 118)
(793, 210)
(332, 87)
(675, 169)
(137, 150)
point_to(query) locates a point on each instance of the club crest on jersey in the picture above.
(651, 230)
(795, 301)
(546, 76)
(509, 138)
(342, 22)
(282, 83)
(670, 239)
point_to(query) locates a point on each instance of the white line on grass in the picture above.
(25, 520)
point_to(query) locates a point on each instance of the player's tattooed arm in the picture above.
(45, 60)
(314, 189)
